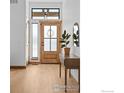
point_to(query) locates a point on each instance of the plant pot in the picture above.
(67, 51)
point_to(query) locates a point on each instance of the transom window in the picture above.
(45, 13)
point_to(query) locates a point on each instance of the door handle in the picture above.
(42, 44)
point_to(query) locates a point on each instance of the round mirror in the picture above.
(76, 35)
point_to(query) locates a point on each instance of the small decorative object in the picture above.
(65, 42)
(76, 35)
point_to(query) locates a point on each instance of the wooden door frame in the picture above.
(50, 22)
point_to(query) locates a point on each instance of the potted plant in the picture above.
(65, 41)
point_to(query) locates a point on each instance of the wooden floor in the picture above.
(41, 78)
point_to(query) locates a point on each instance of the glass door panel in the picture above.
(53, 44)
(53, 31)
(46, 31)
(50, 38)
(46, 44)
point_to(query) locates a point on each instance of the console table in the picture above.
(70, 62)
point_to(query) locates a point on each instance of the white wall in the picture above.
(17, 33)
(27, 32)
(71, 14)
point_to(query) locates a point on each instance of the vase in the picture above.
(66, 51)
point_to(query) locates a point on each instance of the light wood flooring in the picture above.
(41, 78)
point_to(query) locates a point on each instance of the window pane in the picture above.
(46, 44)
(53, 44)
(53, 10)
(37, 10)
(34, 40)
(53, 31)
(46, 31)
(38, 17)
(54, 17)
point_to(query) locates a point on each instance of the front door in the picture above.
(50, 41)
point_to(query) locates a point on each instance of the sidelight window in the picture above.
(34, 40)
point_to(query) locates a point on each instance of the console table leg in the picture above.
(79, 78)
(60, 70)
(69, 72)
(65, 80)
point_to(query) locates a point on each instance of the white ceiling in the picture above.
(45, 0)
